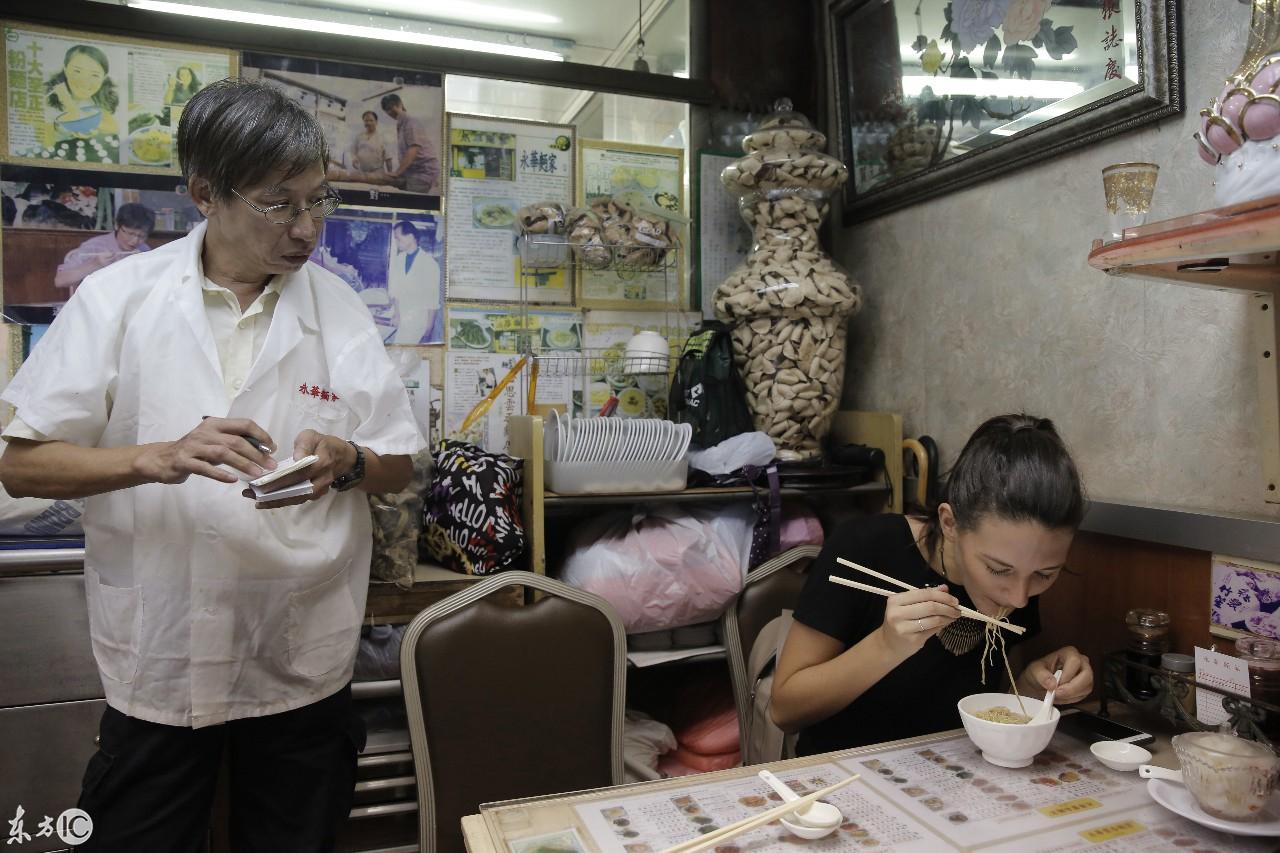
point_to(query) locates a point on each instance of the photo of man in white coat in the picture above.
(413, 283)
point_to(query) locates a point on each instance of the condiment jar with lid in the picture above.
(1148, 641)
(1263, 659)
(1179, 667)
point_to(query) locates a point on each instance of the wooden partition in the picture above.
(1110, 576)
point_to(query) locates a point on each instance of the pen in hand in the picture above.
(253, 442)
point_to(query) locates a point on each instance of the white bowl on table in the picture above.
(1006, 744)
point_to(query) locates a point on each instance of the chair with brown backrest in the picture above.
(770, 588)
(507, 702)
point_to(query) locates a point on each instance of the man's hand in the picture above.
(214, 442)
(336, 457)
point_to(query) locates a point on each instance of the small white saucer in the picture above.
(1177, 799)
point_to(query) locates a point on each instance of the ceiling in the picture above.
(602, 32)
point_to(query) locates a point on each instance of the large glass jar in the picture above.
(1263, 659)
(788, 304)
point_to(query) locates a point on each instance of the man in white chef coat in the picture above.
(222, 626)
(414, 283)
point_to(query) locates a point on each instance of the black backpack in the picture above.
(707, 390)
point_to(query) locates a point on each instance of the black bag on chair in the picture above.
(706, 390)
(471, 512)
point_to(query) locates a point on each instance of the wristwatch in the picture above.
(352, 478)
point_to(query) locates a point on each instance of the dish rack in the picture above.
(539, 253)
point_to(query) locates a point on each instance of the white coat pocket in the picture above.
(325, 417)
(324, 627)
(115, 626)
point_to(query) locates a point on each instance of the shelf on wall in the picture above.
(553, 501)
(1228, 248)
(1233, 247)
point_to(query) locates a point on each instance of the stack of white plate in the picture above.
(603, 455)
(571, 439)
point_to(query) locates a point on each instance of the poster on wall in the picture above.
(555, 334)
(650, 180)
(469, 378)
(393, 260)
(724, 240)
(495, 167)
(59, 225)
(90, 100)
(382, 125)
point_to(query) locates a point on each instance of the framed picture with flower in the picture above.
(934, 95)
(1244, 598)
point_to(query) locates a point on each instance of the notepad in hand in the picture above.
(283, 469)
(299, 490)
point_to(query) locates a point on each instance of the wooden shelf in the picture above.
(1228, 248)
(1234, 247)
(554, 502)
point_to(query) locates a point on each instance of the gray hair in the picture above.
(236, 132)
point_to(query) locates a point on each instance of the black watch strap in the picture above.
(353, 477)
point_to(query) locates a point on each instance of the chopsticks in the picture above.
(711, 839)
(967, 611)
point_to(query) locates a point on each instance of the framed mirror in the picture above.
(934, 95)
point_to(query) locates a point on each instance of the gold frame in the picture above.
(233, 70)
(580, 196)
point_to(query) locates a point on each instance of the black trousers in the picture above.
(150, 787)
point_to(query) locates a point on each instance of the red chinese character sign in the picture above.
(934, 94)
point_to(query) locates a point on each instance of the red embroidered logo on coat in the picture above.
(316, 391)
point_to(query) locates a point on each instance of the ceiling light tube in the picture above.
(1051, 90)
(405, 36)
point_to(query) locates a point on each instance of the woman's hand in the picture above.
(911, 618)
(1077, 676)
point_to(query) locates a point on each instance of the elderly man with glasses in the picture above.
(224, 624)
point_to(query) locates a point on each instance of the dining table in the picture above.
(930, 793)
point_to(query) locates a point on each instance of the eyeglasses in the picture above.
(283, 214)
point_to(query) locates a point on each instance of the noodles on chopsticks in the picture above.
(995, 640)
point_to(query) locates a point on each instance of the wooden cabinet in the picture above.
(1234, 248)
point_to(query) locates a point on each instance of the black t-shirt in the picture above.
(920, 695)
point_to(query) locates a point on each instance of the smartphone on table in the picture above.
(1091, 728)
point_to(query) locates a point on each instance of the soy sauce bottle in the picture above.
(1148, 640)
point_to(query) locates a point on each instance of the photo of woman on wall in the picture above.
(182, 86)
(84, 94)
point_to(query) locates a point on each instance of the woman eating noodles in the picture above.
(859, 668)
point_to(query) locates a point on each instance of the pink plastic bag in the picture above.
(705, 763)
(664, 567)
(799, 527)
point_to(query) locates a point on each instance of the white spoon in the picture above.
(1150, 771)
(1046, 707)
(816, 816)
